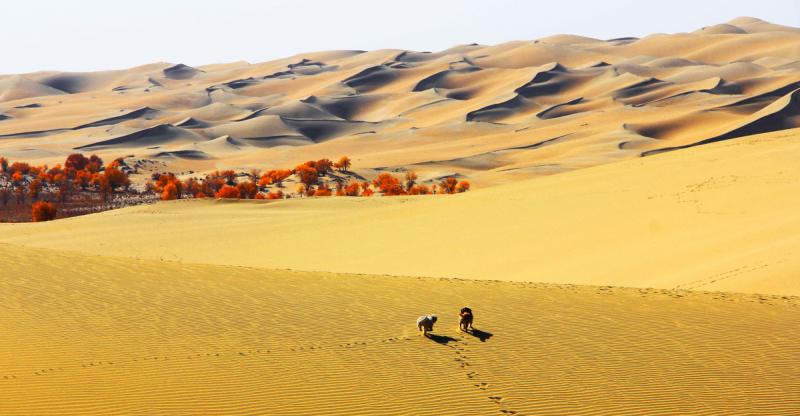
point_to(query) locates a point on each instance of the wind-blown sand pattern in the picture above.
(493, 113)
(101, 335)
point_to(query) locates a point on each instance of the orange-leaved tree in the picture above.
(323, 190)
(352, 189)
(462, 186)
(21, 167)
(419, 190)
(43, 211)
(388, 185)
(228, 191)
(448, 185)
(343, 164)
(17, 178)
(264, 181)
(323, 166)
(307, 174)
(247, 189)
(170, 192)
(116, 178)
(194, 187)
(340, 189)
(275, 177)
(76, 161)
(229, 176)
(95, 163)
(310, 191)
(411, 179)
(278, 176)
(365, 189)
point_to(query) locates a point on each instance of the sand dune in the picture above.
(180, 71)
(725, 210)
(19, 87)
(154, 136)
(721, 78)
(783, 113)
(144, 112)
(104, 335)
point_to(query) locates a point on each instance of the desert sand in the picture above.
(630, 246)
(114, 335)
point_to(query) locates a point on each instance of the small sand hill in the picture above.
(604, 100)
(95, 335)
(18, 87)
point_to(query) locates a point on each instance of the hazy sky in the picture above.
(103, 34)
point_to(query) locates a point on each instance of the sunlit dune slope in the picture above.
(716, 217)
(493, 113)
(86, 335)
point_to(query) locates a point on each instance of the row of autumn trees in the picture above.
(89, 184)
(41, 185)
(309, 177)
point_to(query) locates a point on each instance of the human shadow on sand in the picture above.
(441, 339)
(481, 335)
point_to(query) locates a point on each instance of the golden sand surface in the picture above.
(87, 334)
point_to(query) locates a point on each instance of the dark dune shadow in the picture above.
(481, 335)
(441, 339)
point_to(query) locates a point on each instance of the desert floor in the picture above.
(114, 335)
